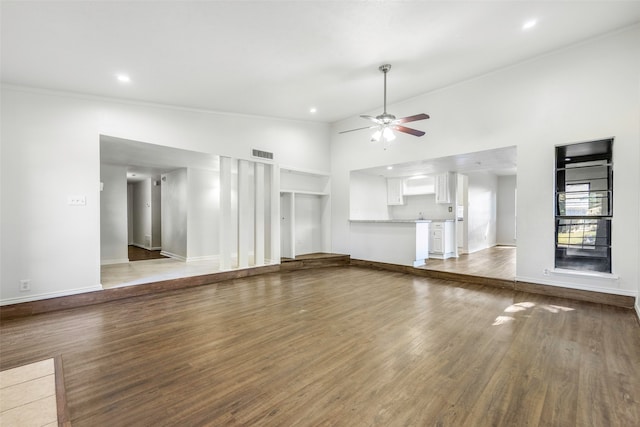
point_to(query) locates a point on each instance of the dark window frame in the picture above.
(583, 236)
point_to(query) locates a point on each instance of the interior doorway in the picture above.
(144, 213)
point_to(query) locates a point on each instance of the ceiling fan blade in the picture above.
(373, 119)
(421, 116)
(410, 131)
(353, 130)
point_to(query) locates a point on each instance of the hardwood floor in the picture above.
(340, 346)
(497, 262)
(139, 254)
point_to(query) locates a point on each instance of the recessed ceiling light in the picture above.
(313, 110)
(529, 24)
(389, 168)
(123, 78)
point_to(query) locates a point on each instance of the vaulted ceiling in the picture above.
(281, 58)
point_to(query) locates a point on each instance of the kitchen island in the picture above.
(394, 241)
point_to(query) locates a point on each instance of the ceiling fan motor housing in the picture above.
(386, 118)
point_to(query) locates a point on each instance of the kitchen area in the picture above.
(408, 214)
(410, 219)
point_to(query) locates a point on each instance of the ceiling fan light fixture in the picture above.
(388, 135)
(386, 123)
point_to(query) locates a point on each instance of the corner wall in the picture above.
(113, 214)
(586, 92)
(51, 140)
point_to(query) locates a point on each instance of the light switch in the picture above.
(77, 200)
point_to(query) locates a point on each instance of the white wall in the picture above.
(368, 195)
(203, 214)
(142, 213)
(53, 138)
(585, 92)
(129, 214)
(481, 211)
(113, 214)
(174, 201)
(425, 203)
(156, 213)
(308, 223)
(506, 210)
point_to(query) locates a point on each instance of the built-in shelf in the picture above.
(305, 212)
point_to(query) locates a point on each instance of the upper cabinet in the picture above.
(443, 188)
(417, 185)
(394, 191)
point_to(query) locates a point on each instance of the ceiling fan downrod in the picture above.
(385, 117)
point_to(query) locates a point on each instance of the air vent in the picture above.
(261, 154)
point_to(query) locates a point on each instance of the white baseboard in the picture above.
(557, 283)
(48, 295)
(638, 307)
(114, 261)
(174, 256)
(203, 258)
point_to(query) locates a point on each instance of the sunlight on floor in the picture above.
(524, 306)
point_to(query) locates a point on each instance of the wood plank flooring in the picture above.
(497, 262)
(140, 254)
(340, 346)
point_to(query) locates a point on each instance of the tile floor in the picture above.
(28, 395)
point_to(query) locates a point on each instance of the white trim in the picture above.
(78, 95)
(174, 256)
(48, 295)
(578, 287)
(637, 306)
(114, 261)
(594, 274)
(203, 258)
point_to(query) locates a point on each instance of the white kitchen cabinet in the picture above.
(443, 188)
(418, 185)
(394, 191)
(441, 240)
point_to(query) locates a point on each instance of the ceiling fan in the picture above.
(386, 123)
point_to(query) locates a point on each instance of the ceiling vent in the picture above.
(261, 154)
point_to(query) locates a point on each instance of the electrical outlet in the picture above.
(25, 285)
(77, 200)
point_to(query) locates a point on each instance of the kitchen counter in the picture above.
(394, 241)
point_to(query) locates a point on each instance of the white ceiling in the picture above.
(500, 161)
(145, 160)
(279, 58)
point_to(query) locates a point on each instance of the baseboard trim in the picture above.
(114, 261)
(559, 284)
(49, 295)
(174, 256)
(202, 258)
(638, 309)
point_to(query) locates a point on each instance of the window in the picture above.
(584, 194)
